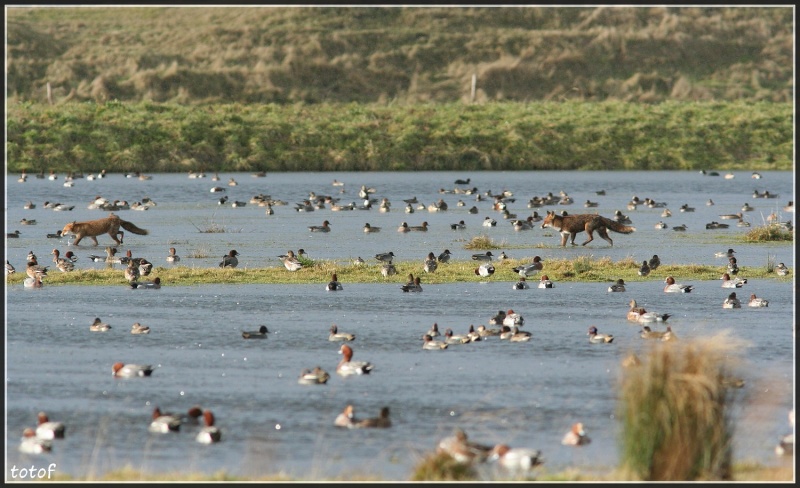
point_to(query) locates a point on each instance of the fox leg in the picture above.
(94, 239)
(589, 235)
(604, 234)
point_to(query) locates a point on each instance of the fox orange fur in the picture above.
(92, 228)
(571, 225)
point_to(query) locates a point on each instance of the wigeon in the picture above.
(515, 459)
(138, 328)
(192, 416)
(660, 225)
(122, 370)
(32, 444)
(382, 421)
(644, 269)
(430, 343)
(445, 256)
(597, 338)
(409, 209)
(347, 417)
(716, 225)
(733, 266)
(35, 282)
(519, 335)
(781, 269)
(333, 284)
(473, 334)
(459, 226)
(99, 326)
(335, 335)
(487, 256)
(230, 260)
(489, 222)
(347, 366)
(728, 282)
(131, 272)
(209, 433)
(415, 287)
(434, 330)
(316, 376)
(680, 228)
(619, 286)
(172, 257)
(731, 301)
(385, 257)
(747, 208)
(147, 285)
(640, 315)
(325, 227)
(503, 256)
(526, 270)
(261, 333)
(419, 228)
(686, 208)
(461, 449)
(544, 282)
(757, 302)
(403, 227)
(654, 262)
(388, 269)
(63, 264)
(521, 284)
(673, 287)
(485, 270)
(56, 235)
(430, 263)
(359, 261)
(576, 436)
(369, 228)
(483, 331)
(14, 234)
(513, 318)
(498, 318)
(520, 225)
(506, 333)
(290, 261)
(785, 445)
(450, 338)
(49, 429)
(164, 423)
(10, 269)
(648, 333)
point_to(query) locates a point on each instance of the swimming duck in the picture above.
(370, 229)
(335, 335)
(747, 208)
(99, 326)
(412, 287)
(430, 264)
(619, 286)
(544, 282)
(325, 227)
(434, 330)
(731, 301)
(680, 228)
(147, 285)
(347, 366)
(172, 257)
(164, 423)
(757, 302)
(261, 333)
(334, 284)
(483, 257)
(522, 284)
(138, 328)
(33, 282)
(639, 314)
(489, 222)
(444, 256)
(32, 444)
(666, 213)
(230, 260)
(576, 436)
(382, 421)
(526, 270)
(461, 449)
(473, 334)
(123, 370)
(48, 429)
(450, 338)
(419, 228)
(660, 225)
(14, 234)
(686, 208)
(485, 270)
(316, 376)
(519, 335)
(27, 222)
(56, 235)
(648, 333)
(728, 282)
(673, 287)
(210, 433)
(515, 458)
(428, 342)
(597, 338)
(781, 269)
(346, 418)
(621, 218)
(644, 270)
(484, 332)
(716, 225)
(498, 318)
(513, 318)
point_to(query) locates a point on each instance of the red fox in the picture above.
(94, 228)
(570, 225)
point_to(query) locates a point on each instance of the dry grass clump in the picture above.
(443, 467)
(481, 243)
(769, 232)
(675, 411)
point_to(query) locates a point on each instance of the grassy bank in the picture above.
(582, 269)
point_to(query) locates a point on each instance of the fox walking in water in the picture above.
(571, 225)
(93, 228)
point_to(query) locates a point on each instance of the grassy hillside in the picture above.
(399, 55)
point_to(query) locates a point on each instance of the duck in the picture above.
(522, 284)
(483, 331)
(138, 328)
(513, 318)
(781, 269)
(385, 257)
(686, 208)
(430, 343)
(33, 269)
(680, 228)
(544, 282)
(515, 458)
(63, 264)
(230, 260)
(485, 270)
(519, 335)
(644, 269)
(728, 282)
(747, 208)
(99, 326)
(164, 423)
(487, 256)
(10, 269)
(14, 235)
(521, 225)
(660, 225)
(619, 286)
(172, 257)
(621, 218)
(666, 213)
(419, 228)
(434, 330)
(370, 229)
(654, 262)
(147, 285)
(716, 225)
(733, 267)
(48, 429)
(123, 370)
(290, 261)
(473, 334)
(461, 449)
(335, 335)
(576, 436)
(526, 270)
(757, 302)
(131, 272)
(382, 421)
(347, 366)
(430, 264)
(503, 256)
(597, 338)
(261, 333)
(33, 282)
(673, 287)
(325, 227)
(724, 254)
(489, 222)
(32, 444)
(648, 333)
(209, 433)
(459, 226)
(415, 287)
(732, 301)
(388, 269)
(639, 314)
(334, 284)
(785, 446)
(451, 338)
(347, 417)
(404, 227)
(27, 222)
(55, 235)
(316, 376)
(444, 257)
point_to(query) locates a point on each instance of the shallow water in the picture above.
(524, 394)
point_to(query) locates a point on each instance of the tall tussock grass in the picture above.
(675, 410)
